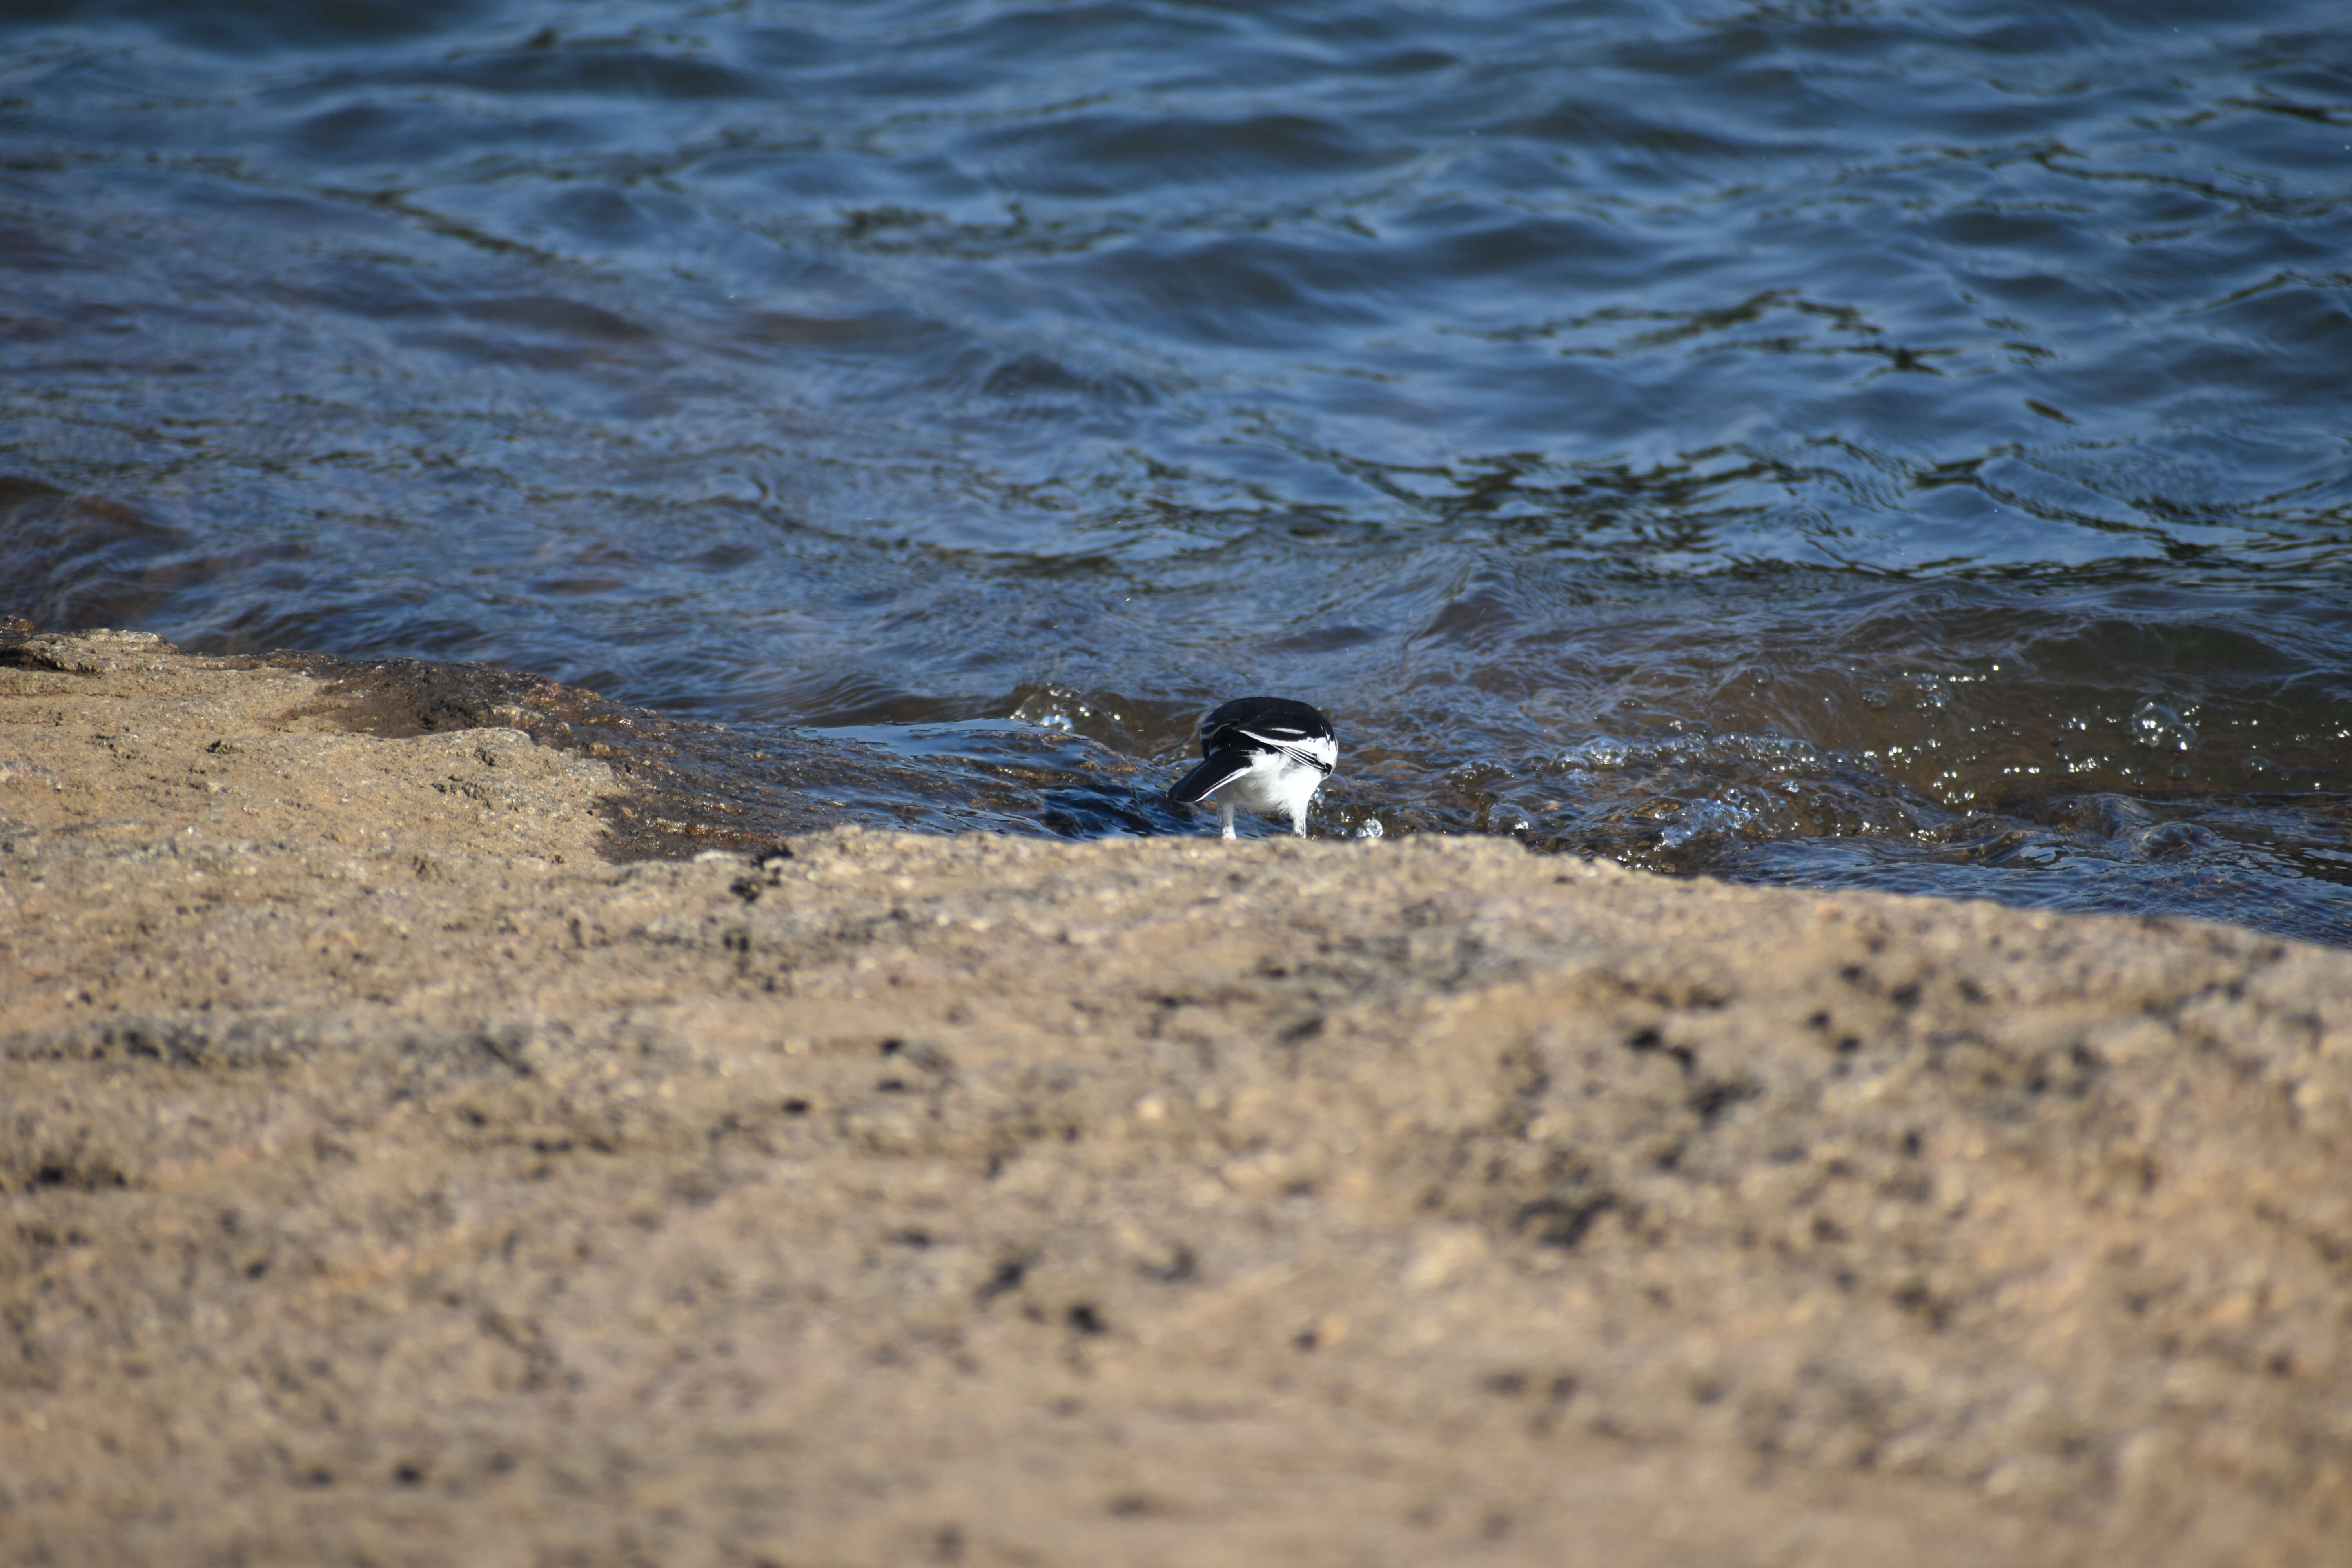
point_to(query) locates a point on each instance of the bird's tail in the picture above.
(1215, 771)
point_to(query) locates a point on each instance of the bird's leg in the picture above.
(1229, 820)
(1299, 823)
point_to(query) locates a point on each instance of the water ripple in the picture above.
(1899, 438)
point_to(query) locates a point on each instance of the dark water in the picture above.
(1820, 443)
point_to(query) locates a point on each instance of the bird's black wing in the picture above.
(1274, 720)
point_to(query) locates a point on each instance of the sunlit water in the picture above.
(1827, 444)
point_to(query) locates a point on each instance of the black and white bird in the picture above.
(1269, 753)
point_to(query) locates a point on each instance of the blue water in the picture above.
(1831, 444)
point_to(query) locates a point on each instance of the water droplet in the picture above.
(2155, 725)
(1597, 754)
(1370, 828)
(1874, 698)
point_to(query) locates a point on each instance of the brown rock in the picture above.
(386, 1176)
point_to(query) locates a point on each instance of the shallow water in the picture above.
(1829, 444)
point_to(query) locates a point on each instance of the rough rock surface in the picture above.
(387, 1176)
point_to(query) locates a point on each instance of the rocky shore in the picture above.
(399, 1166)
